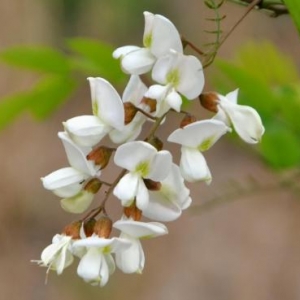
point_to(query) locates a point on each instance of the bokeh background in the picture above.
(244, 247)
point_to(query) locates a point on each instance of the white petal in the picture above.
(107, 104)
(65, 182)
(138, 62)
(202, 134)
(104, 271)
(126, 189)
(191, 77)
(110, 263)
(222, 116)
(232, 96)
(90, 264)
(86, 131)
(245, 120)
(142, 195)
(93, 242)
(130, 132)
(193, 165)
(161, 208)
(164, 37)
(141, 229)
(160, 166)
(132, 154)
(174, 100)
(162, 67)
(122, 51)
(131, 260)
(134, 90)
(78, 203)
(64, 260)
(77, 156)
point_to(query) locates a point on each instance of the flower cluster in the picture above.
(150, 185)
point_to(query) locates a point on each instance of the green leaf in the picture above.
(280, 147)
(294, 10)
(11, 107)
(94, 58)
(49, 94)
(41, 59)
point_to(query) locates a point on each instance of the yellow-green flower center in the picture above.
(206, 144)
(173, 77)
(142, 169)
(148, 40)
(95, 108)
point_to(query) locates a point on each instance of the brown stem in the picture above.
(146, 114)
(185, 43)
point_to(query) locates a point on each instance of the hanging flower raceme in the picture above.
(245, 119)
(160, 35)
(108, 113)
(132, 259)
(196, 138)
(177, 74)
(142, 160)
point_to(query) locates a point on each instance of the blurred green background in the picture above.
(240, 239)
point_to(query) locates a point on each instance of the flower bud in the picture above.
(133, 212)
(209, 101)
(151, 103)
(100, 156)
(88, 227)
(188, 119)
(73, 230)
(152, 185)
(130, 112)
(155, 142)
(103, 227)
(93, 186)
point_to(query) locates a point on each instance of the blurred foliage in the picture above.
(294, 9)
(59, 72)
(268, 80)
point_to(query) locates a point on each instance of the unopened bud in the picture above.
(152, 185)
(155, 142)
(88, 227)
(103, 227)
(130, 112)
(93, 186)
(151, 103)
(133, 212)
(209, 101)
(73, 230)
(100, 156)
(188, 119)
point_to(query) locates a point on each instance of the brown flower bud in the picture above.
(103, 227)
(133, 212)
(93, 186)
(151, 103)
(209, 101)
(188, 119)
(100, 156)
(130, 112)
(73, 230)
(88, 227)
(152, 185)
(155, 142)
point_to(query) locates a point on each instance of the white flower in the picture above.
(160, 35)
(177, 73)
(245, 119)
(167, 203)
(108, 113)
(196, 138)
(57, 256)
(97, 264)
(142, 160)
(68, 182)
(133, 93)
(132, 260)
